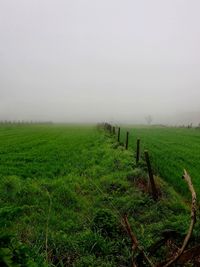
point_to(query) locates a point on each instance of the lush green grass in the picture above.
(171, 150)
(64, 190)
(45, 151)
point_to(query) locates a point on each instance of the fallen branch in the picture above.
(135, 243)
(177, 255)
(180, 256)
(130, 233)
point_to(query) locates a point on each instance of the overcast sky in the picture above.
(87, 60)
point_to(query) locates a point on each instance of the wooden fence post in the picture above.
(127, 135)
(118, 136)
(151, 178)
(138, 151)
(114, 130)
(110, 128)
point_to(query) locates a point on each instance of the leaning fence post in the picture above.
(151, 178)
(118, 136)
(127, 135)
(138, 151)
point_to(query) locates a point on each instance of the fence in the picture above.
(182, 255)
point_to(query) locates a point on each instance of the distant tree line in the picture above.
(189, 126)
(11, 122)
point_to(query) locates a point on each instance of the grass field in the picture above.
(171, 150)
(64, 190)
(45, 151)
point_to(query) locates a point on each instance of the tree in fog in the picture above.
(149, 119)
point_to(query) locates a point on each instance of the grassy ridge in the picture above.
(171, 150)
(63, 192)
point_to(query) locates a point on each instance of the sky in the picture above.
(100, 60)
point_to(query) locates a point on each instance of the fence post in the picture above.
(151, 178)
(138, 151)
(127, 135)
(114, 130)
(118, 136)
(110, 128)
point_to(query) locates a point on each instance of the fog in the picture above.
(97, 60)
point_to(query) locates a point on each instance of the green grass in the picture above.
(45, 151)
(171, 151)
(63, 192)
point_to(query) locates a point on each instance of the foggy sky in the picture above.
(94, 60)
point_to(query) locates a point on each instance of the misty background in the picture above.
(91, 60)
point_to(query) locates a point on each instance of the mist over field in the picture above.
(99, 133)
(88, 61)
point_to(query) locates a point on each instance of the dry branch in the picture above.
(130, 233)
(180, 256)
(177, 255)
(135, 244)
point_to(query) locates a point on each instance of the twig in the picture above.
(177, 255)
